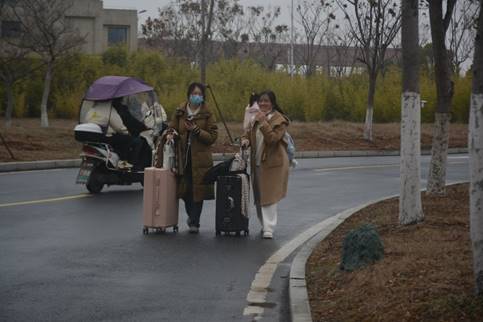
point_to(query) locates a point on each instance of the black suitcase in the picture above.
(228, 206)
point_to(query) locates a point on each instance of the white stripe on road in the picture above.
(358, 167)
(393, 165)
(32, 202)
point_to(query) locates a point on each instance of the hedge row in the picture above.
(317, 98)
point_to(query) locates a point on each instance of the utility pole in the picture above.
(292, 67)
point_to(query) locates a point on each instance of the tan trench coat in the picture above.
(201, 153)
(273, 171)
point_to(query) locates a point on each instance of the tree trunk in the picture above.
(439, 152)
(44, 117)
(476, 158)
(410, 209)
(10, 104)
(444, 89)
(370, 107)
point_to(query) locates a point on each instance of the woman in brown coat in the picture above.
(195, 130)
(269, 160)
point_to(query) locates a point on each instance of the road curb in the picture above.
(74, 163)
(298, 296)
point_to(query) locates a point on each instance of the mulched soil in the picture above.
(426, 273)
(28, 141)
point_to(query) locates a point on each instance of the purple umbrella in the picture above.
(109, 87)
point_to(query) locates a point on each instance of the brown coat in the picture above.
(273, 171)
(201, 154)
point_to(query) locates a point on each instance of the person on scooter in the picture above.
(116, 133)
(194, 128)
(139, 151)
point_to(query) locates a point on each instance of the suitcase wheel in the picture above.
(175, 229)
(238, 234)
(246, 233)
(160, 230)
(145, 230)
(218, 233)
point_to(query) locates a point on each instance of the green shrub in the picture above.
(116, 55)
(361, 247)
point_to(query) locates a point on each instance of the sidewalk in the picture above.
(74, 163)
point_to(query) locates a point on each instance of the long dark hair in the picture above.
(273, 100)
(192, 87)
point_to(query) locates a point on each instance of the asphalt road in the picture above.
(68, 256)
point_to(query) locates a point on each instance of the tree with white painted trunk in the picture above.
(49, 34)
(476, 157)
(374, 24)
(439, 23)
(410, 209)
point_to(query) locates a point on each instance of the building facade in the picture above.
(100, 27)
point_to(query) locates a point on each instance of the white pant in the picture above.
(268, 218)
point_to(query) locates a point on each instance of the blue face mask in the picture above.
(196, 99)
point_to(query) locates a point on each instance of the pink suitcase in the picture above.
(160, 209)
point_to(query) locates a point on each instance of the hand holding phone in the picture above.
(189, 124)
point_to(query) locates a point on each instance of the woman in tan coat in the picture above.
(269, 160)
(195, 130)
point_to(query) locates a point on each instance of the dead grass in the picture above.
(426, 273)
(29, 141)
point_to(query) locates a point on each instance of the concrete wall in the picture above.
(93, 21)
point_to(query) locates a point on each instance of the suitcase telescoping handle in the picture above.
(244, 153)
(157, 183)
(231, 203)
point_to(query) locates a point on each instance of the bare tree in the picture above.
(179, 30)
(462, 33)
(14, 62)
(440, 22)
(476, 156)
(343, 59)
(186, 28)
(14, 66)
(169, 31)
(265, 33)
(49, 34)
(374, 24)
(410, 209)
(314, 16)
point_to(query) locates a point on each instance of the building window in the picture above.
(116, 35)
(11, 29)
